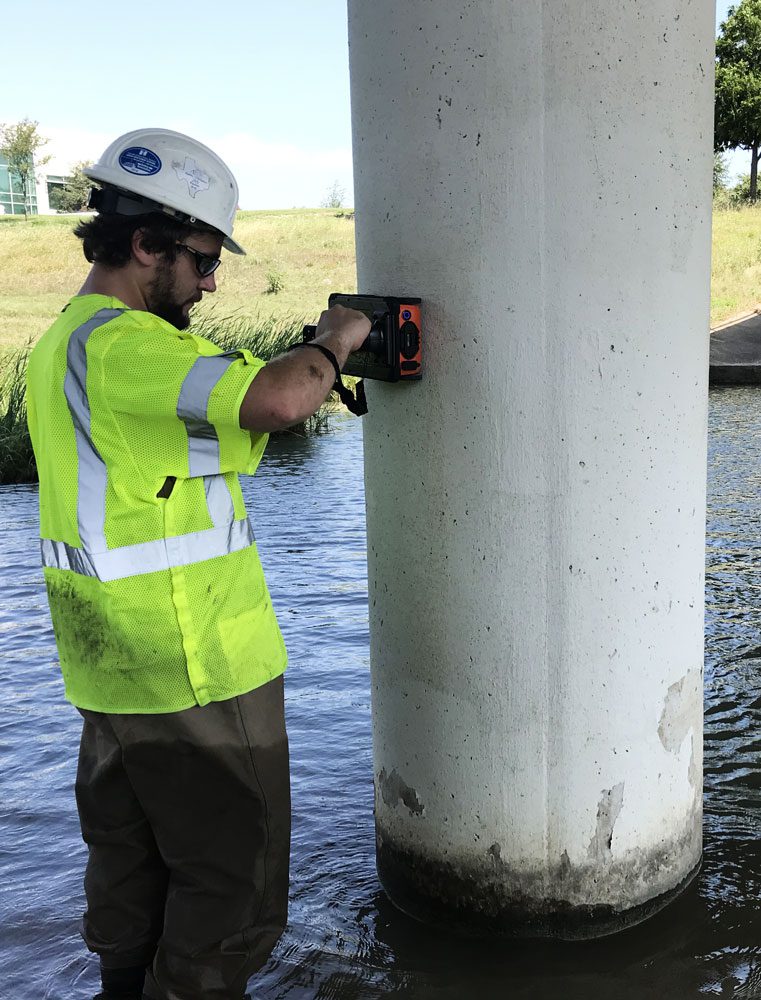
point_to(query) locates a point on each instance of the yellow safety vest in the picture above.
(157, 604)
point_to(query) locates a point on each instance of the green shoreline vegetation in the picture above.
(296, 258)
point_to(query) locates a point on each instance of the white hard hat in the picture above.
(159, 170)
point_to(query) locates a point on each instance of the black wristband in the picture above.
(356, 405)
(323, 350)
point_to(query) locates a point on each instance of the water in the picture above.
(345, 941)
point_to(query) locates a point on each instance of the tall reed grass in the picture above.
(264, 337)
(17, 463)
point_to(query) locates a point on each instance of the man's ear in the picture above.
(148, 258)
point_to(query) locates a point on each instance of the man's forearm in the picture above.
(294, 385)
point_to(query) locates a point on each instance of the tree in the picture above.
(720, 173)
(335, 196)
(74, 195)
(19, 145)
(737, 111)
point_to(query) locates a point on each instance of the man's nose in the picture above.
(208, 284)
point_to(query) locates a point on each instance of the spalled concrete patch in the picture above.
(608, 811)
(678, 715)
(393, 791)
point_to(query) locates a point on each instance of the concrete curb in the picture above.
(735, 353)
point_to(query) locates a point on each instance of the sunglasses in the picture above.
(205, 263)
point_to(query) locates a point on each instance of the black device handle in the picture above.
(376, 339)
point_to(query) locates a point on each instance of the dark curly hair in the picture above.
(107, 237)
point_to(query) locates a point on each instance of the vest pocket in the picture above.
(253, 645)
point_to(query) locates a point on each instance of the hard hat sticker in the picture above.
(196, 178)
(139, 160)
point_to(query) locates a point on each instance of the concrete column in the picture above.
(540, 173)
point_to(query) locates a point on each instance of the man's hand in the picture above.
(348, 325)
(293, 386)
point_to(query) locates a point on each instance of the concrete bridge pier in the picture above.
(540, 173)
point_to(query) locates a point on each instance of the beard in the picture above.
(162, 298)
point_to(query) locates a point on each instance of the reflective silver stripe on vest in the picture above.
(218, 500)
(91, 483)
(193, 410)
(149, 557)
(94, 558)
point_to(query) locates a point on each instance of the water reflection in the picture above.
(345, 941)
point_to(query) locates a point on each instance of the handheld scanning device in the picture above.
(393, 351)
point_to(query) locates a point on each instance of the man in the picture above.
(167, 639)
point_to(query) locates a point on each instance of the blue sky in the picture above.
(266, 85)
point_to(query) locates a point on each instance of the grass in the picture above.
(295, 259)
(310, 253)
(736, 262)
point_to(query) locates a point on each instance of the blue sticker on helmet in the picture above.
(139, 160)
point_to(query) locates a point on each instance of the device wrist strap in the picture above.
(358, 405)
